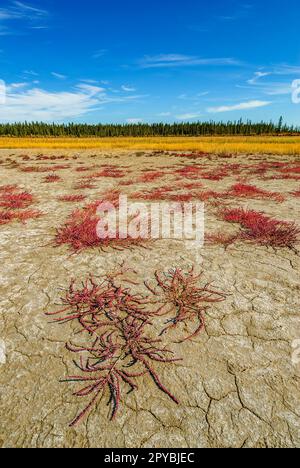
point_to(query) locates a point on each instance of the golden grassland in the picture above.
(264, 144)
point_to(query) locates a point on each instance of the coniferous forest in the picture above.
(248, 128)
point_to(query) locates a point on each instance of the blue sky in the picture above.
(99, 61)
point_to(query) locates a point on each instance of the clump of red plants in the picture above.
(84, 184)
(120, 349)
(250, 191)
(26, 215)
(34, 169)
(216, 175)
(209, 195)
(261, 229)
(151, 176)
(84, 168)
(163, 194)
(6, 217)
(80, 230)
(72, 198)
(109, 172)
(126, 183)
(58, 167)
(52, 178)
(8, 188)
(118, 341)
(222, 238)
(12, 199)
(167, 193)
(179, 294)
(191, 185)
(13, 204)
(189, 172)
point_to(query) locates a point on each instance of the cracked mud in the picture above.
(237, 383)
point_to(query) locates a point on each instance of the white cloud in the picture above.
(88, 80)
(128, 89)
(30, 72)
(99, 53)
(188, 116)
(38, 104)
(134, 121)
(241, 106)
(90, 89)
(164, 114)
(178, 60)
(257, 76)
(286, 70)
(59, 76)
(18, 85)
(278, 89)
(28, 9)
(43, 105)
(39, 27)
(273, 88)
(20, 11)
(194, 98)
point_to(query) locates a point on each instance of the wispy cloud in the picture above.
(99, 53)
(28, 103)
(188, 116)
(271, 88)
(194, 98)
(264, 80)
(27, 9)
(285, 69)
(128, 89)
(58, 76)
(90, 89)
(134, 121)
(178, 60)
(277, 70)
(17, 86)
(242, 106)
(16, 10)
(30, 73)
(257, 76)
(38, 104)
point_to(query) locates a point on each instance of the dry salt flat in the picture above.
(237, 383)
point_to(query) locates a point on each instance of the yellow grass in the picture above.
(266, 144)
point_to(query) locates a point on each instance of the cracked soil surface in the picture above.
(237, 383)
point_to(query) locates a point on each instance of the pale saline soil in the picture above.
(237, 384)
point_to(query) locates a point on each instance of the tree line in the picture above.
(40, 129)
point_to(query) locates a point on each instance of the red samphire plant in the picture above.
(118, 339)
(261, 229)
(120, 349)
